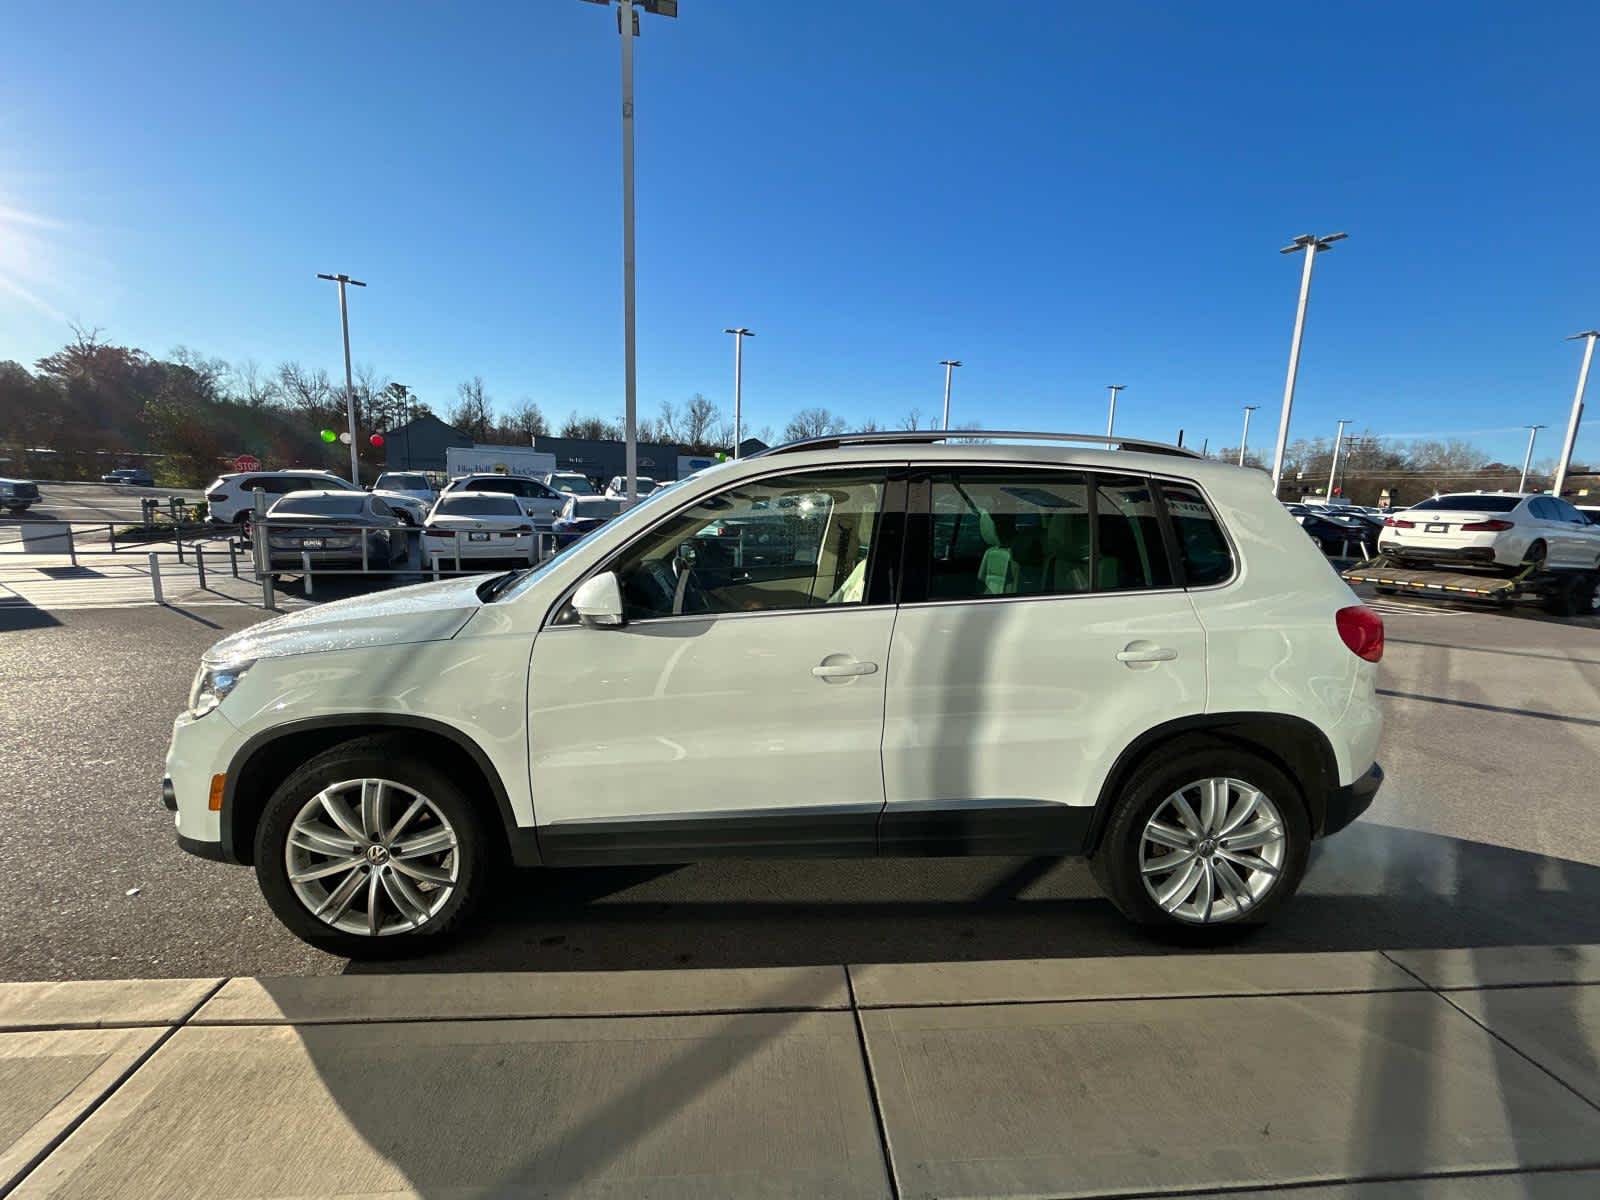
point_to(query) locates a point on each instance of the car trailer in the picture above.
(1563, 593)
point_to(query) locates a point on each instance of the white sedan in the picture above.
(1504, 529)
(477, 525)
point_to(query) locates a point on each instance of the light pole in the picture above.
(1111, 417)
(739, 336)
(1527, 459)
(949, 365)
(628, 28)
(1338, 440)
(349, 381)
(1311, 245)
(1589, 336)
(1244, 437)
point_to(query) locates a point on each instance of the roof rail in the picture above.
(926, 436)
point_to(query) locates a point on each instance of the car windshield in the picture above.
(478, 506)
(406, 482)
(321, 506)
(1473, 501)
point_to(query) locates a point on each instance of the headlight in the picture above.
(212, 685)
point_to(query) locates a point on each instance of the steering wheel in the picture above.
(688, 596)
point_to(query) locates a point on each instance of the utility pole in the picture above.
(1589, 336)
(1338, 438)
(628, 28)
(949, 365)
(1111, 417)
(739, 336)
(349, 380)
(1244, 437)
(1527, 459)
(1311, 245)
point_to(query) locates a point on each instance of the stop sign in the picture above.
(247, 462)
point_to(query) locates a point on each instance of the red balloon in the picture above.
(376, 439)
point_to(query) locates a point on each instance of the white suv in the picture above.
(230, 498)
(1131, 654)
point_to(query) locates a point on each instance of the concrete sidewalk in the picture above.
(1362, 1076)
(101, 579)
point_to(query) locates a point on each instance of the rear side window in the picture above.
(1041, 533)
(1202, 548)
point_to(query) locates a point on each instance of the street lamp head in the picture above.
(1587, 333)
(949, 362)
(1310, 239)
(1116, 387)
(1251, 407)
(341, 279)
(741, 331)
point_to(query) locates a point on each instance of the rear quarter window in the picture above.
(1202, 546)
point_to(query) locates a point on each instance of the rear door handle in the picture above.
(842, 666)
(1145, 652)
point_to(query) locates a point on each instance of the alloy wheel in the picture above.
(1212, 851)
(372, 857)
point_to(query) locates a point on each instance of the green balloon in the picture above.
(329, 435)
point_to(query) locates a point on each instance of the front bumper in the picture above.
(201, 747)
(1349, 802)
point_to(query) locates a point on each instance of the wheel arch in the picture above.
(1292, 744)
(268, 758)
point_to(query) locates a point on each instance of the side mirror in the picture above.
(598, 601)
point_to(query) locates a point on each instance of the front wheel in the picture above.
(1207, 840)
(369, 852)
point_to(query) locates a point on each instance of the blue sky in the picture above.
(1063, 196)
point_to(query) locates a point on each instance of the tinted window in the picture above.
(801, 541)
(1569, 513)
(1130, 551)
(322, 506)
(479, 506)
(1202, 548)
(1042, 533)
(1470, 501)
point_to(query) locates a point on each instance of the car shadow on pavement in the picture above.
(1371, 887)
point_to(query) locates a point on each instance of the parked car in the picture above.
(1341, 533)
(617, 489)
(231, 498)
(570, 482)
(582, 515)
(413, 484)
(330, 527)
(1125, 654)
(541, 503)
(1498, 529)
(131, 476)
(472, 526)
(18, 495)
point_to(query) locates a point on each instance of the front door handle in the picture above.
(842, 666)
(1135, 653)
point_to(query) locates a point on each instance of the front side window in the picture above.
(793, 542)
(1041, 533)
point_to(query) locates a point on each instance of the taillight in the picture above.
(1362, 631)
(1494, 526)
(1397, 523)
(439, 532)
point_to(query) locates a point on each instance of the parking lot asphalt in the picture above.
(98, 502)
(1482, 835)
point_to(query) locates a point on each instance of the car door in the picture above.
(740, 707)
(1041, 630)
(1582, 546)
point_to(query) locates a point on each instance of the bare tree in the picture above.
(470, 413)
(309, 391)
(247, 382)
(912, 420)
(812, 422)
(527, 420)
(591, 427)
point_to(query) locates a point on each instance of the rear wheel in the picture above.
(369, 852)
(1578, 596)
(1536, 555)
(1203, 842)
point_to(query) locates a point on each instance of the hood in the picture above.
(426, 612)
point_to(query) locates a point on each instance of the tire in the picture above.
(1574, 597)
(1123, 851)
(429, 920)
(1535, 555)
